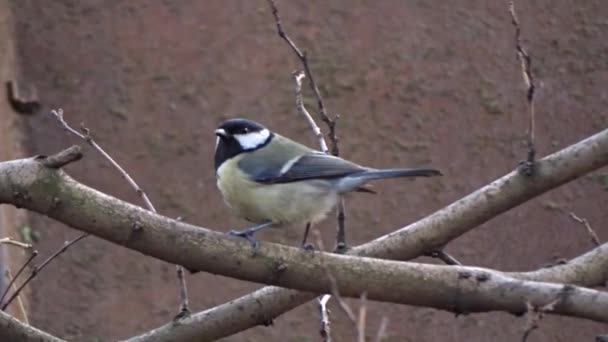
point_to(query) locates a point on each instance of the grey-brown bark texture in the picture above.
(37, 184)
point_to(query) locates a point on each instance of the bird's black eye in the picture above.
(244, 130)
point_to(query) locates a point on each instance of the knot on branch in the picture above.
(60, 159)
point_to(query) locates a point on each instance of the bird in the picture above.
(273, 181)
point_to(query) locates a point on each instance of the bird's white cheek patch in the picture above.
(253, 139)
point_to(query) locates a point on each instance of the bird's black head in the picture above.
(236, 136)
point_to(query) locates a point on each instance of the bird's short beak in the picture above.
(220, 132)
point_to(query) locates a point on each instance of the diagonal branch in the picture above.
(428, 235)
(12, 329)
(454, 288)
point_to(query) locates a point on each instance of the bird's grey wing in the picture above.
(310, 166)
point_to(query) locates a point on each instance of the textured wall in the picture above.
(415, 82)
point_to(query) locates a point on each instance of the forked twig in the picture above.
(529, 80)
(333, 284)
(86, 136)
(331, 123)
(534, 315)
(325, 329)
(341, 245)
(11, 284)
(592, 235)
(19, 300)
(19, 271)
(298, 76)
(40, 267)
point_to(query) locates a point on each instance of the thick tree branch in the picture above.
(30, 184)
(12, 329)
(427, 235)
(454, 288)
(589, 270)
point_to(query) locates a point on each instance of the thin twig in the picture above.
(331, 123)
(40, 267)
(592, 235)
(381, 335)
(11, 241)
(362, 321)
(325, 330)
(529, 80)
(86, 136)
(445, 257)
(534, 315)
(19, 300)
(11, 284)
(341, 246)
(333, 283)
(298, 76)
(13, 279)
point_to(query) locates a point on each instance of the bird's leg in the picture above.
(307, 246)
(248, 234)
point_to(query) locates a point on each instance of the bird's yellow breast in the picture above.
(288, 203)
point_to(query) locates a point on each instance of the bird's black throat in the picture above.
(228, 147)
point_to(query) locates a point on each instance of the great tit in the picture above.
(271, 180)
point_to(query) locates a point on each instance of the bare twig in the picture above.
(325, 330)
(529, 80)
(40, 267)
(11, 241)
(341, 246)
(444, 256)
(592, 235)
(381, 335)
(298, 76)
(534, 315)
(86, 136)
(9, 275)
(333, 283)
(362, 321)
(13, 279)
(331, 123)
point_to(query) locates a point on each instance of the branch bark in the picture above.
(458, 289)
(12, 329)
(425, 236)
(28, 183)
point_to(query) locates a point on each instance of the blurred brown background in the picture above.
(415, 83)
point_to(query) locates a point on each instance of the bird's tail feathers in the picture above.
(356, 181)
(392, 173)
